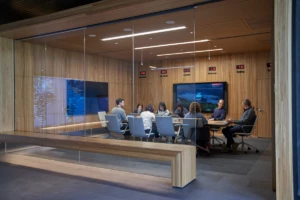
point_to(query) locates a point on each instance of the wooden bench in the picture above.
(182, 157)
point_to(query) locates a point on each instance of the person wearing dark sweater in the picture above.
(139, 109)
(219, 113)
(247, 118)
(180, 110)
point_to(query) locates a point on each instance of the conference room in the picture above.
(202, 54)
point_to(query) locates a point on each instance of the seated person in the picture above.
(148, 118)
(219, 112)
(247, 118)
(180, 111)
(139, 109)
(195, 112)
(120, 113)
(162, 109)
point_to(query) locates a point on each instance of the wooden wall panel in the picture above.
(154, 89)
(6, 85)
(40, 61)
(283, 12)
(264, 103)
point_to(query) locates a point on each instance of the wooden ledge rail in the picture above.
(182, 157)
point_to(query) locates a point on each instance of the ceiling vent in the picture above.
(256, 23)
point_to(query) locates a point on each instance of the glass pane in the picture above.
(163, 59)
(108, 71)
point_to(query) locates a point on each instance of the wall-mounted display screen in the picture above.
(86, 97)
(207, 94)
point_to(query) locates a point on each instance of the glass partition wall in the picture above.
(164, 58)
(63, 80)
(71, 76)
(53, 96)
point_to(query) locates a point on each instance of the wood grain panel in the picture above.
(264, 103)
(283, 99)
(182, 157)
(127, 179)
(34, 61)
(99, 12)
(6, 85)
(154, 89)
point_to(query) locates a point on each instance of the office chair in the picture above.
(246, 133)
(102, 119)
(113, 126)
(191, 125)
(165, 127)
(213, 137)
(136, 127)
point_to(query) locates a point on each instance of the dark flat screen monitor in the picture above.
(207, 94)
(86, 97)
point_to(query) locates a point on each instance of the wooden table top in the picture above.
(210, 122)
(217, 123)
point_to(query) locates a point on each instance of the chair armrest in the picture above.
(180, 124)
(244, 126)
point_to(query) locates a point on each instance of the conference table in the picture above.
(211, 123)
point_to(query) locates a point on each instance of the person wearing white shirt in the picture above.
(148, 117)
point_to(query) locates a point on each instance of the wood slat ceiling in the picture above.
(15, 10)
(236, 26)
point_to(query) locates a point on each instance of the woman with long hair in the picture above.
(139, 108)
(162, 109)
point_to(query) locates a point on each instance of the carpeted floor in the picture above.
(219, 176)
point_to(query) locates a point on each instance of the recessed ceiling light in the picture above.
(127, 29)
(191, 32)
(92, 35)
(150, 38)
(116, 43)
(188, 52)
(170, 22)
(215, 46)
(144, 33)
(172, 44)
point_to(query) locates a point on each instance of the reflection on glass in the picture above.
(67, 99)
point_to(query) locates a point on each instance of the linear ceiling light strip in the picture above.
(144, 33)
(188, 52)
(171, 44)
